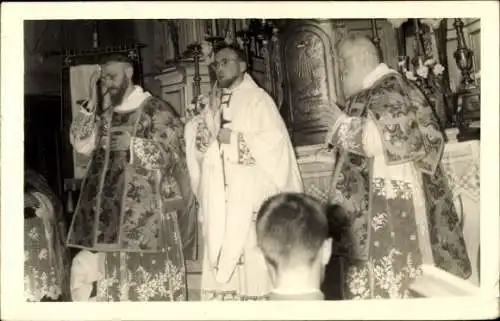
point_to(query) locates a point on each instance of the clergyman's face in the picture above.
(351, 73)
(115, 81)
(227, 67)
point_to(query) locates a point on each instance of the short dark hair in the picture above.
(239, 53)
(291, 227)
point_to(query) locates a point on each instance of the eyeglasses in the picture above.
(222, 63)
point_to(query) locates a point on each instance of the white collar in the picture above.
(377, 73)
(133, 100)
(247, 82)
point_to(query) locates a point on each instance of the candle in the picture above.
(214, 28)
(195, 26)
(234, 28)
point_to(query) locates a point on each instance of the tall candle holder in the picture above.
(245, 36)
(194, 52)
(468, 98)
(376, 38)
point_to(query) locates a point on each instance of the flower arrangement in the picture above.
(423, 70)
(477, 77)
(428, 76)
(433, 23)
(207, 49)
(203, 134)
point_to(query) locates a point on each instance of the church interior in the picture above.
(295, 61)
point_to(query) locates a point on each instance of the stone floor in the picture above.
(194, 282)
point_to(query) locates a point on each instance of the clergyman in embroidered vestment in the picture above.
(239, 153)
(389, 180)
(135, 192)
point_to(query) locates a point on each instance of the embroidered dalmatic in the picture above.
(232, 180)
(46, 259)
(131, 201)
(389, 179)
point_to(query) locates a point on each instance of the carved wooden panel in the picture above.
(174, 95)
(309, 79)
(177, 84)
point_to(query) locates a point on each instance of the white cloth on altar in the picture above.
(229, 227)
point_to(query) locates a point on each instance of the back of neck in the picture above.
(299, 280)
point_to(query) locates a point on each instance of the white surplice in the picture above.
(234, 267)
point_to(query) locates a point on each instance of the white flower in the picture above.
(403, 63)
(437, 69)
(433, 23)
(206, 48)
(410, 75)
(203, 100)
(379, 221)
(240, 42)
(477, 75)
(423, 71)
(429, 62)
(33, 234)
(43, 254)
(396, 23)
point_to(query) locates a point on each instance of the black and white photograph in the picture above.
(173, 159)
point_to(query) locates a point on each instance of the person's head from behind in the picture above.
(292, 232)
(229, 66)
(116, 74)
(358, 56)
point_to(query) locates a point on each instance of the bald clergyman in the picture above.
(135, 191)
(389, 180)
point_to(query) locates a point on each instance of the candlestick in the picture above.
(376, 38)
(195, 31)
(95, 36)
(214, 28)
(468, 95)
